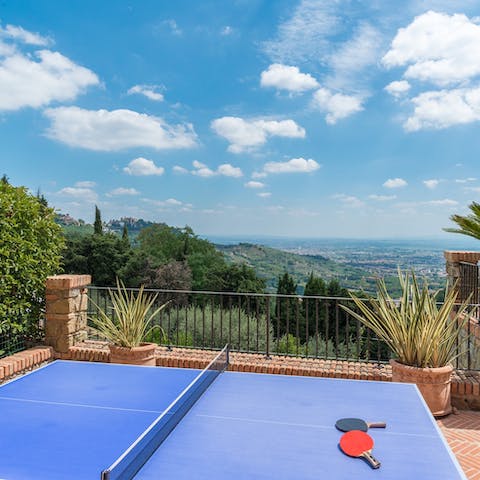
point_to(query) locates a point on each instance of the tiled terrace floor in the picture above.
(462, 432)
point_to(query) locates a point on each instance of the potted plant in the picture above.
(129, 325)
(421, 332)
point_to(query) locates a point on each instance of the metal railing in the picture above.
(272, 324)
(10, 344)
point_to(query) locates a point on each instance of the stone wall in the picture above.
(66, 311)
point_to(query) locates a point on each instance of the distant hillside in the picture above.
(270, 263)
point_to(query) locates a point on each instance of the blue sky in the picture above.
(310, 118)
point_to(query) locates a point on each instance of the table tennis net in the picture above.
(132, 460)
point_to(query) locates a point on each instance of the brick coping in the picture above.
(23, 361)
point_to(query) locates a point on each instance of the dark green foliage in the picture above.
(125, 234)
(98, 226)
(102, 256)
(31, 244)
(286, 308)
(137, 270)
(208, 269)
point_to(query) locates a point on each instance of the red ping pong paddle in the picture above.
(359, 444)
(347, 424)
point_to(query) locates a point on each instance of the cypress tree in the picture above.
(97, 226)
(125, 233)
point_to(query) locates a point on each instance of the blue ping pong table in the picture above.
(74, 420)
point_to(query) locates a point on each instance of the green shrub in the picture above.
(30, 250)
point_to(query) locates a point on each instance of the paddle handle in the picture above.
(377, 425)
(374, 463)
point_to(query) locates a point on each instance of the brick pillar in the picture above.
(454, 273)
(66, 311)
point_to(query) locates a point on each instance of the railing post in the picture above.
(267, 327)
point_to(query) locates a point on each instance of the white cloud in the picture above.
(336, 105)
(149, 91)
(109, 131)
(438, 48)
(172, 26)
(465, 180)
(78, 193)
(349, 200)
(398, 88)
(350, 60)
(85, 184)
(245, 135)
(446, 202)
(382, 198)
(25, 82)
(332, 38)
(444, 108)
(303, 36)
(295, 165)
(123, 191)
(284, 77)
(395, 183)
(259, 175)
(264, 194)
(226, 30)
(19, 34)
(197, 164)
(6, 49)
(225, 170)
(173, 201)
(253, 184)
(204, 172)
(181, 170)
(143, 167)
(228, 170)
(432, 183)
(169, 204)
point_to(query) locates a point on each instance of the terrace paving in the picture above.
(462, 431)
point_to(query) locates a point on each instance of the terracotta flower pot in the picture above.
(144, 354)
(433, 383)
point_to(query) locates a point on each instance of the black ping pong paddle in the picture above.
(347, 424)
(359, 444)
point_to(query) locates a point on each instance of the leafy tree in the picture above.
(286, 309)
(137, 270)
(162, 244)
(469, 224)
(102, 256)
(31, 244)
(313, 310)
(172, 276)
(241, 279)
(98, 226)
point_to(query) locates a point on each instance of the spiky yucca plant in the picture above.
(420, 331)
(132, 316)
